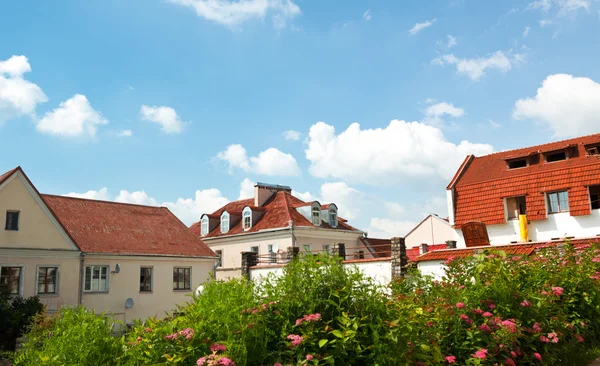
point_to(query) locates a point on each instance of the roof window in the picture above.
(204, 225)
(316, 214)
(247, 218)
(556, 156)
(593, 149)
(224, 222)
(518, 163)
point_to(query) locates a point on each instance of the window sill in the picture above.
(47, 295)
(183, 290)
(146, 292)
(554, 213)
(94, 292)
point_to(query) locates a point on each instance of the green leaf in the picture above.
(322, 342)
(337, 333)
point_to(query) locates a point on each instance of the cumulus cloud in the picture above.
(292, 135)
(349, 200)
(166, 117)
(568, 105)
(269, 162)
(562, 7)
(125, 133)
(451, 41)
(420, 26)
(73, 118)
(246, 189)
(401, 150)
(435, 113)
(387, 228)
(101, 194)
(233, 13)
(475, 68)
(18, 97)
(137, 197)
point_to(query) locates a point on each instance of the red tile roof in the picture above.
(482, 183)
(126, 229)
(278, 212)
(414, 253)
(515, 249)
(8, 174)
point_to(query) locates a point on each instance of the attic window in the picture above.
(556, 156)
(316, 215)
(204, 226)
(247, 218)
(519, 163)
(224, 222)
(333, 221)
(593, 149)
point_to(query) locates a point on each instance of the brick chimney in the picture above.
(264, 191)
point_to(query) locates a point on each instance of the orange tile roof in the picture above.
(126, 229)
(483, 182)
(8, 174)
(513, 249)
(278, 211)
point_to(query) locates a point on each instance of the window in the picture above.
(519, 163)
(181, 278)
(12, 221)
(558, 202)
(204, 226)
(326, 248)
(96, 278)
(254, 249)
(307, 247)
(146, 279)
(10, 277)
(219, 254)
(515, 206)
(333, 221)
(593, 149)
(224, 222)
(556, 156)
(47, 280)
(247, 218)
(272, 253)
(595, 197)
(316, 215)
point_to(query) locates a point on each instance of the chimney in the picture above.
(424, 248)
(451, 244)
(264, 191)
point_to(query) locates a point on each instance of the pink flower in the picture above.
(537, 328)
(487, 314)
(147, 330)
(485, 328)
(277, 364)
(510, 362)
(557, 291)
(171, 336)
(309, 357)
(296, 339)
(201, 361)
(513, 354)
(188, 333)
(460, 305)
(478, 311)
(537, 356)
(218, 348)
(299, 321)
(492, 306)
(596, 260)
(544, 339)
(525, 304)
(226, 361)
(450, 359)
(449, 260)
(510, 325)
(579, 337)
(481, 354)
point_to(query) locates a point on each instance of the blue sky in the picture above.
(186, 102)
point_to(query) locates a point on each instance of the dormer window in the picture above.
(593, 149)
(204, 226)
(556, 156)
(316, 214)
(333, 221)
(224, 222)
(247, 218)
(517, 163)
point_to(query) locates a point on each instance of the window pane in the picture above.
(553, 199)
(88, 278)
(175, 278)
(563, 198)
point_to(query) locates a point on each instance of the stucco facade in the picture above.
(432, 230)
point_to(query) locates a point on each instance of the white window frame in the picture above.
(92, 272)
(224, 224)
(333, 221)
(326, 248)
(37, 279)
(204, 222)
(273, 249)
(21, 276)
(548, 205)
(315, 208)
(247, 213)
(151, 280)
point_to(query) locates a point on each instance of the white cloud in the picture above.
(292, 135)
(545, 23)
(434, 113)
(18, 96)
(74, 117)
(233, 13)
(269, 162)
(306, 196)
(475, 68)
(246, 189)
(367, 15)
(568, 105)
(348, 199)
(382, 156)
(166, 117)
(494, 124)
(387, 228)
(101, 194)
(451, 41)
(563, 7)
(137, 197)
(125, 133)
(526, 32)
(420, 26)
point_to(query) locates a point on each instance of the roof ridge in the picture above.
(287, 205)
(100, 201)
(539, 145)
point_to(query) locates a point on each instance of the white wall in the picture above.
(557, 225)
(431, 231)
(437, 269)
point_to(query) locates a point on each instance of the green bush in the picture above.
(16, 313)
(490, 309)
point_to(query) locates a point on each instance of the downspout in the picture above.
(81, 276)
(291, 225)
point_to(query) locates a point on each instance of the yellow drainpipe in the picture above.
(523, 230)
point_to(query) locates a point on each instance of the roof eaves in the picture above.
(461, 170)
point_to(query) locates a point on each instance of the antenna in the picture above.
(117, 268)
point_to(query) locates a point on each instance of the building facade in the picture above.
(271, 222)
(130, 260)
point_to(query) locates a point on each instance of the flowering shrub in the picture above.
(490, 309)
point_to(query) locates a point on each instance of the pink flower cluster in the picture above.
(216, 347)
(481, 354)
(308, 318)
(525, 303)
(557, 291)
(460, 305)
(552, 337)
(450, 359)
(214, 360)
(510, 325)
(186, 333)
(296, 339)
(262, 307)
